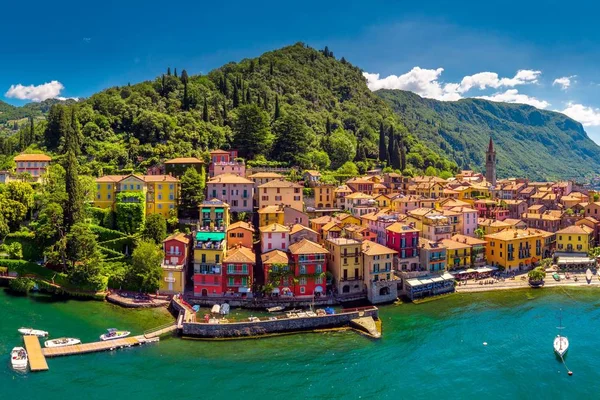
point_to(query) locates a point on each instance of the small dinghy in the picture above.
(114, 334)
(224, 309)
(34, 332)
(561, 343)
(275, 309)
(18, 358)
(196, 308)
(216, 309)
(588, 275)
(61, 342)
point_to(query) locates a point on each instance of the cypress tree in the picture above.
(402, 154)
(248, 96)
(162, 89)
(205, 111)
(225, 113)
(382, 148)
(277, 111)
(328, 126)
(184, 80)
(390, 149)
(175, 73)
(236, 96)
(74, 202)
(22, 140)
(169, 71)
(31, 131)
(271, 68)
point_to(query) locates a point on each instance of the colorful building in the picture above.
(299, 232)
(274, 236)
(225, 162)
(261, 178)
(214, 215)
(515, 249)
(432, 256)
(377, 261)
(32, 164)
(174, 266)
(279, 192)
(477, 248)
(235, 190)
(178, 166)
(458, 254)
(271, 215)
(359, 204)
(404, 239)
(240, 234)
(161, 192)
(432, 224)
(238, 271)
(344, 261)
(272, 262)
(574, 239)
(210, 250)
(324, 196)
(309, 263)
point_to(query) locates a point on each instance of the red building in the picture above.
(238, 269)
(405, 240)
(271, 260)
(307, 259)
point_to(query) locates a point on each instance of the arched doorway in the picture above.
(384, 291)
(204, 292)
(346, 289)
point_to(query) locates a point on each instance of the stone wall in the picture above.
(239, 329)
(377, 296)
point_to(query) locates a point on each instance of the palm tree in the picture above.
(479, 232)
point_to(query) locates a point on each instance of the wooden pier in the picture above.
(37, 361)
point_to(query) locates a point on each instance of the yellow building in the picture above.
(344, 261)
(514, 248)
(383, 201)
(270, 215)
(574, 239)
(324, 196)
(160, 191)
(458, 255)
(280, 192)
(214, 215)
(174, 266)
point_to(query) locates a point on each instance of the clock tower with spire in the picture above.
(490, 164)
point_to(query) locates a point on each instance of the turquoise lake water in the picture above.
(428, 350)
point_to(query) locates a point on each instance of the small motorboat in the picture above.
(329, 311)
(34, 332)
(588, 275)
(18, 358)
(275, 309)
(196, 308)
(253, 319)
(61, 342)
(114, 334)
(216, 309)
(224, 309)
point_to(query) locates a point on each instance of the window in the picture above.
(160, 196)
(302, 281)
(231, 281)
(319, 269)
(303, 269)
(302, 289)
(231, 269)
(171, 186)
(159, 187)
(109, 196)
(232, 235)
(159, 206)
(171, 196)
(138, 187)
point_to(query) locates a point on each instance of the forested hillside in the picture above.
(295, 105)
(530, 142)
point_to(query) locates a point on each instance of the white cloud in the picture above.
(48, 90)
(564, 82)
(588, 116)
(426, 82)
(513, 96)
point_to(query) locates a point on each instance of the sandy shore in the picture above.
(473, 286)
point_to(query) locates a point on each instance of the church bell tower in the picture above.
(490, 164)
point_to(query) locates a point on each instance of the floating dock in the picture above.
(37, 361)
(95, 346)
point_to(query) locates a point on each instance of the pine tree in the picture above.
(236, 96)
(169, 71)
(382, 148)
(205, 111)
(277, 114)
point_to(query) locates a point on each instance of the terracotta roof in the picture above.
(355, 228)
(274, 228)
(306, 246)
(240, 255)
(32, 157)
(511, 234)
(359, 180)
(219, 151)
(379, 186)
(279, 183)
(270, 210)
(298, 228)
(185, 160)
(470, 240)
(312, 172)
(454, 245)
(513, 221)
(421, 211)
(330, 225)
(492, 223)
(241, 225)
(376, 249)
(359, 195)
(157, 178)
(180, 237)
(462, 209)
(398, 227)
(322, 220)
(230, 178)
(273, 175)
(110, 178)
(576, 230)
(343, 189)
(343, 216)
(428, 244)
(274, 257)
(544, 216)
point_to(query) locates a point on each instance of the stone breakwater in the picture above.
(282, 325)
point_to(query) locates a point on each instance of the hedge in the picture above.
(109, 252)
(103, 217)
(119, 244)
(105, 234)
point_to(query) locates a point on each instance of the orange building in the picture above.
(241, 233)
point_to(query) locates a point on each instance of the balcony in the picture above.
(319, 259)
(209, 245)
(238, 272)
(170, 280)
(442, 229)
(207, 269)
(174, 253)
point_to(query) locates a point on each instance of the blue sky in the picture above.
(438, 49)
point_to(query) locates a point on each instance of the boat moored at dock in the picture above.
(34, 332)
(18, 358)
(61, 342)
(114, 334)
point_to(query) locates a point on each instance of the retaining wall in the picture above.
(241, 329)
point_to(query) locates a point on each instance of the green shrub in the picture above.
(31, 250)
(105, 234)
(22, 285)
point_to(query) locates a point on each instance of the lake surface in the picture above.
(428, 350)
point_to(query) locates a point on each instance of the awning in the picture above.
(482, 270)
(276, 290)
(470, 270)
(318, 289)
(206, 210)
(213, 236)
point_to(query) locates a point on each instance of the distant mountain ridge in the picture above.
(530, 142)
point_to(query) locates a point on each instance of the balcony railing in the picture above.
(170, 280)
(207, 269)
(238, 272)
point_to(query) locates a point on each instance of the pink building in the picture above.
(224, 162)
(468, 222)
(234, 190)
(274, 237)
(34, 164)
(405, 240)
(491, 209)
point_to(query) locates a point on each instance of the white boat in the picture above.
(61, 342)
(588, 275)
(114, 334)
(34, 332)
(224, 309)
(561, 343)
(18, 358)
(216, 309)
(275, 309)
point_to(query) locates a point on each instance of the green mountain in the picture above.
(529, 142)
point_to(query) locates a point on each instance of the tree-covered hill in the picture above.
(295, 105)
(529, 142)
